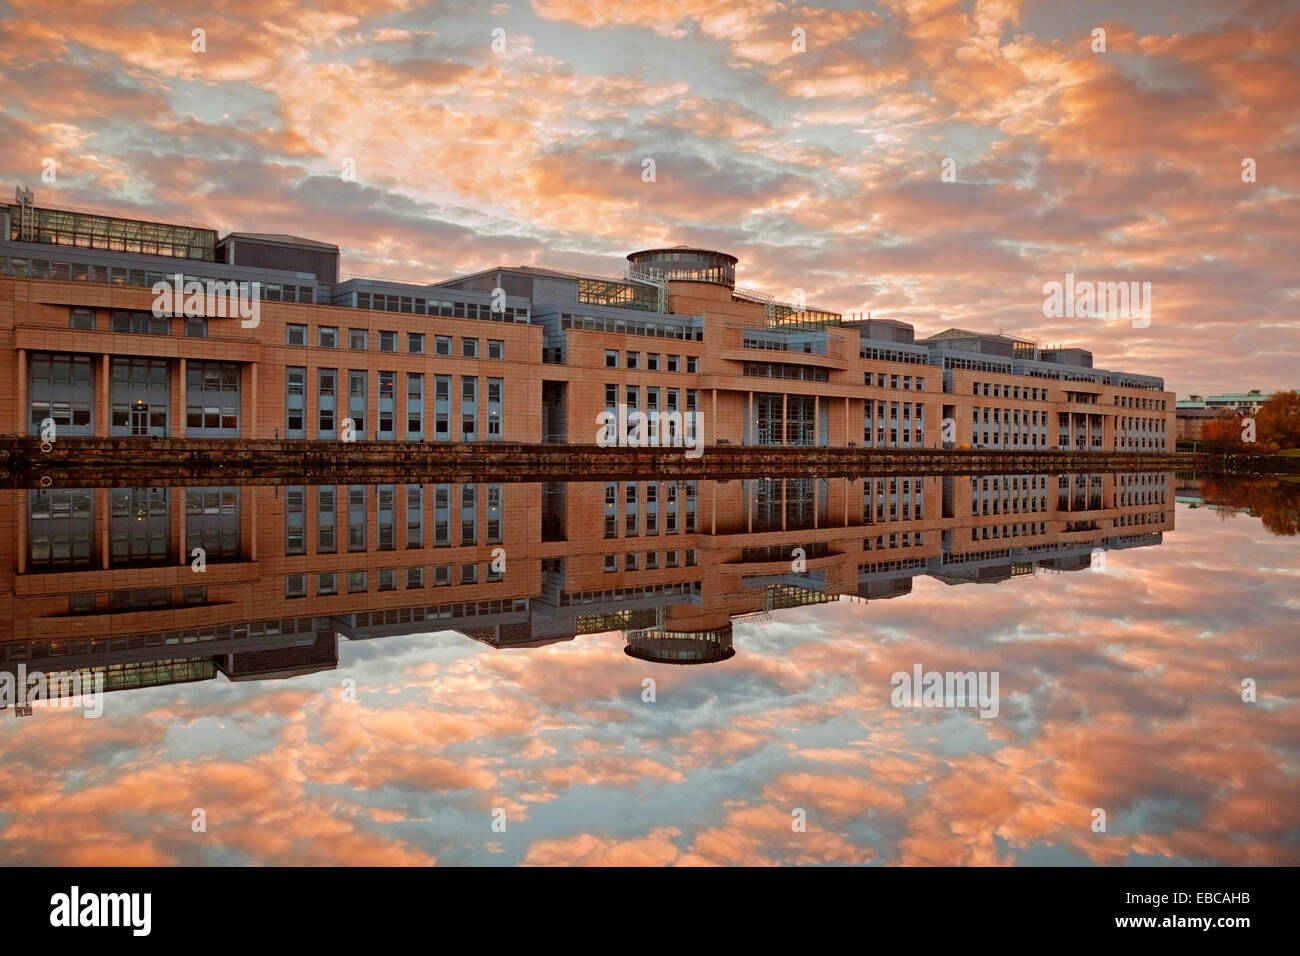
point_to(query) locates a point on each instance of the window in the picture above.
(468, 573)
(327, 583)
(196, 327)
(356, 582)
(652, 361)
(141, 323)
(692, 364)
(611, 563)
(295, 335)
(496, 349)
(326, 387)
(442, 345)
(83, 319)
(211, 399)
(414, 578)
(611, 358)
(469, 348)
(415, 344)
(387, 341)
(295, 585)
(327, 337)
(358, 340)
(442, 576)
(672, 362)
(634, 360)
(295, 402)
(387, 579)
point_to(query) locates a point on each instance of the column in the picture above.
(22, 418)
(714, 424)
(785, 403)
(250, 430)
(179, 402)
(104, 412)
(848, 435)
(22, 514)
(101, 524)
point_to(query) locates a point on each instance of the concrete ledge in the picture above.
(89, 462)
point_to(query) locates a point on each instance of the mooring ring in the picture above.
(46, 481)
(46, 446)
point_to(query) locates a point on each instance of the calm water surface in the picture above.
(1120, 689)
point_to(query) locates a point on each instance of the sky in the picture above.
(1119, 691)
(427, 144)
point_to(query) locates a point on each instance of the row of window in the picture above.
(327, 337)
(649, 560)
(136, 322)
(358, 582)
(379, 301)
(632, 362)
(595, 323)
(394, 507)
(905, 382)
(123, 276)
(406, 423)
(1027, 393)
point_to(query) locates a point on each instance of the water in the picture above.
(1119, 645)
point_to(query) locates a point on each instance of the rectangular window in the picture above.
(414, 516)
(326, 520)
(326, 399)
(295, 335)
(414, 578)
(611, 358)
(356, 582)
(357, 401)
(327, 337)
(692, 364)
(196, 327)
(295, 402)
(83, 319)
(415, 343)
(414, 406)
(442, 345)
(387, 341)
(652, 361)
(496, 349)
(442, 407)
(468, 514)
(327, 583)
(385, 496)
(495, 391)
(295, 518)
(295, 585)
(468, 408)
(672, 362)
(356, 517)
(633, 360)
(469, 348)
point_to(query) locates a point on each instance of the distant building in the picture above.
(1191, 413)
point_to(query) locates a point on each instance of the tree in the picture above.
(1278, 422)
(1223, 431)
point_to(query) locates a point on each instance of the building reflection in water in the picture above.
(108, 580)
